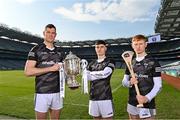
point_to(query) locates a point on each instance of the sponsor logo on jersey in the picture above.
(32, 54)
(142, 76)
(145, 65)
(48, 63)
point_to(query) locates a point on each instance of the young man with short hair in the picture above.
(42, 63)
(148, 78)
(100, 71)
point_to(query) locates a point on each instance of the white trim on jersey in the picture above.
(96, 75)
(140, 58)
(156, 88)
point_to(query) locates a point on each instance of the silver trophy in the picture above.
(72, 69)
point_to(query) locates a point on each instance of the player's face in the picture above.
(49, 34)
(100, 49)
(139, 46)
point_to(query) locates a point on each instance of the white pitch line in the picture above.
(114, 90)
(84, 105)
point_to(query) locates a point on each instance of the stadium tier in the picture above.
(168, 19)
(15, 44)
(13, 54)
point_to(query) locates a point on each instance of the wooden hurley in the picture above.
(127, 56)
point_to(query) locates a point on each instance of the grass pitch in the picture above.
(17, 98)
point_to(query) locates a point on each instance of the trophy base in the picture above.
(73, 86)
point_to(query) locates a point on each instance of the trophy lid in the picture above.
(71, 56)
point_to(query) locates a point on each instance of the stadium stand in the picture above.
(172, 69)
(15, 44)
(168, 19)
(13, 52)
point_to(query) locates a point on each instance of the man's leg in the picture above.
(134, 117)
(100, 118)
(106, 109)
(41, 107)
(54, 114)
(40, 116)
(133, 112)
(97, 118)
(93, 110)
(56, 106)
(150, 118)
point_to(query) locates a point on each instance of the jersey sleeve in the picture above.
(32, 54)
(111, 64)
(98, 75)
(127, 71)
(157, 69)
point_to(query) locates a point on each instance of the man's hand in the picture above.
(142, 99)
(55, 67)
(133, 81)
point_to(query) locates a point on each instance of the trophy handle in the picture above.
(84, 64)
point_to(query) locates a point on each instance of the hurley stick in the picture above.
(127, 56)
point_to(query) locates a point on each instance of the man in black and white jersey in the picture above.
(99, 74)
(42, 62)
(148, 78)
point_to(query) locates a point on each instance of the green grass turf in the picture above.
(17, 97)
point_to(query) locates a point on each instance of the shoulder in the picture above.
(110, 62)
(151, 60)
(34, 51)
(58, 47)
(37, 47)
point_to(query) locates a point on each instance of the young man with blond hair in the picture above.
(148, 78)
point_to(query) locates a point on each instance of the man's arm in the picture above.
(125, 81)
(31, 70)
(155, 90)
(97, 75)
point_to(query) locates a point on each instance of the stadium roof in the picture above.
(15, 34)
(167, 24)
(90, 43)
(168, 19)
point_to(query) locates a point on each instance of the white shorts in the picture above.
(135, 110)
(45, 101)
(103, 108)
